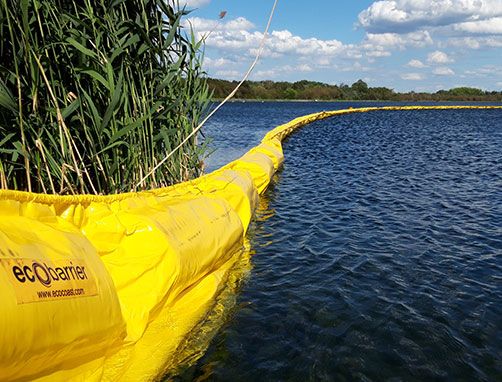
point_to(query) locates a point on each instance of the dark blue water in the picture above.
(378, 250)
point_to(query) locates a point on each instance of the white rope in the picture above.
(232, 93)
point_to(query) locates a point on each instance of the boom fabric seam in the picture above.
(107, 288)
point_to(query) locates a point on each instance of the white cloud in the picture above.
(443, 71)
(265, 74)
(238, 35)
(412, 76)
(288, 55)
(303, 68)
(466, 24)
(285, 42)
(217, 63)
(238, 41)
(240, 23)
(384, 39)
(485, 71)
(380, 44)
(438, 57)
(408, 15)
(475, 42)
(381, 12)
(378, 53)
(466, 42)
(324, 61)
(416, 39)
(353, 52)
(416, 64)
(499, 84)
(489, 26)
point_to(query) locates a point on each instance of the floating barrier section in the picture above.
(107, 287)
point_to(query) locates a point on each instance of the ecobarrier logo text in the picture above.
(42, 280)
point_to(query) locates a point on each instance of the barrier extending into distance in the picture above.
(110, 287)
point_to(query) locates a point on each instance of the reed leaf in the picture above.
(93, 94)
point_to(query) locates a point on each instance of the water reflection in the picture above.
(221, 312)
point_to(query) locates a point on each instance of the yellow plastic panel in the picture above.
(59, 305)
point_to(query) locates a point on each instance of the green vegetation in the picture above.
(95, 93)
(308, 90)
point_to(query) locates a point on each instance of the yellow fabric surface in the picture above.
(111, 287)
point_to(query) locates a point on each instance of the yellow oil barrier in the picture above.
(109, 288)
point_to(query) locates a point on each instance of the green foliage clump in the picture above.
(95, 93)
(463, 92)
(359, 90)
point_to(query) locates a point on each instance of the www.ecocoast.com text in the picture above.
(36, 280)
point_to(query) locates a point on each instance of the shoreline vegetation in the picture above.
(95, 95)
(359, 91)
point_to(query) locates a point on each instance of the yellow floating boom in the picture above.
(107, 288)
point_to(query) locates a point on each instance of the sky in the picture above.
(405, 45)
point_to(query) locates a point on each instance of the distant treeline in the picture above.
(359, 90)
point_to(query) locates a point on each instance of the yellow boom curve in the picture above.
(111, 287)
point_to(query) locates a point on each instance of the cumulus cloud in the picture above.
(438, 57)
(408, 15)
(238, 24)
(412, 76)
(237, 35)
(478, 22)
(489, 26)
(285, 42)
(420, 24)
(217, 63)
(240, 37)
(416, 64)
(443, 71)
(394, 40)
(475, 42)
(378, 53)
(380, 44)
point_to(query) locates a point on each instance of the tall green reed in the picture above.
(94, 94)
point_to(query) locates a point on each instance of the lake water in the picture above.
(378, 249)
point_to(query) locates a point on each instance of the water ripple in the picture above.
(378, 256)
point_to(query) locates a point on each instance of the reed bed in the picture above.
(95, 94)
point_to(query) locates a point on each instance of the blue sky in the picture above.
(402, 44)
